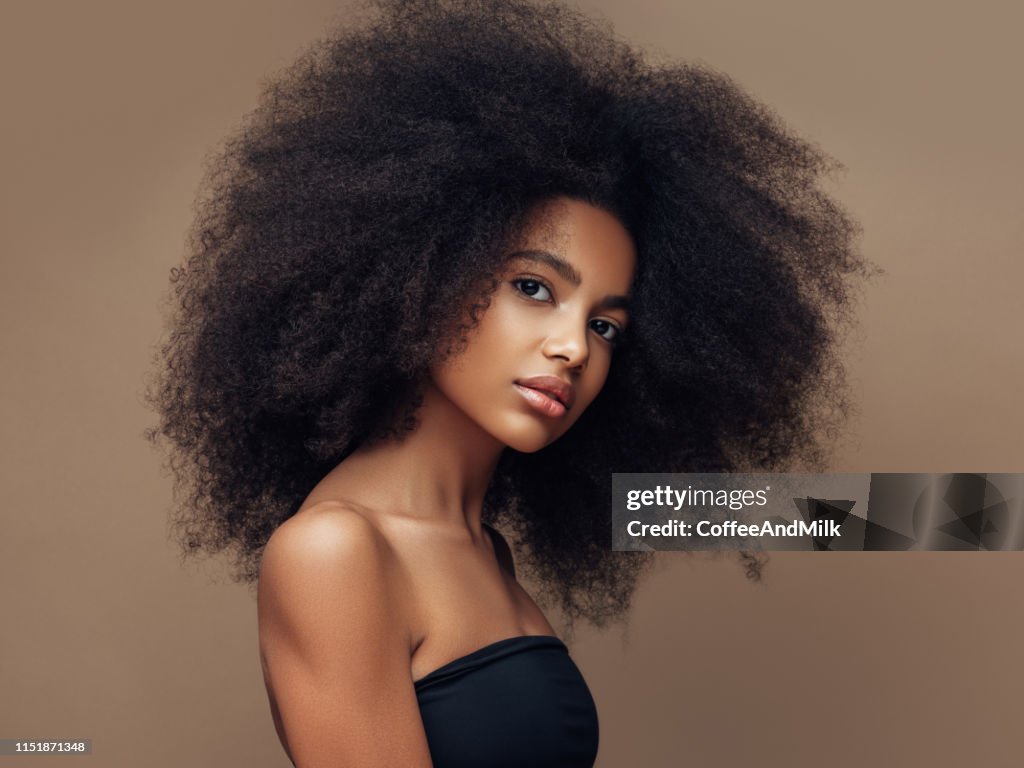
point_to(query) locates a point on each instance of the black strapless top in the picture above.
(517, 703)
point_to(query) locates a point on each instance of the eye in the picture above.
(607, 331)
(535, 289)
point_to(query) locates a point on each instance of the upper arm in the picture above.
(335, 648)
(502, 551)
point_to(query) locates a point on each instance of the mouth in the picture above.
(549, 395)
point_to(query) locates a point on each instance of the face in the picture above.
(542, 349)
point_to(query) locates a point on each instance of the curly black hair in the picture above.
(377, 189)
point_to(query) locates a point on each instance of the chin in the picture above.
(528, 440)
(528, 447)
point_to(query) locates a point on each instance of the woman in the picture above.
(462, 264)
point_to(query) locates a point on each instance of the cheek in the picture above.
(500, 329)
(507, 324)
(465, 373)
(479, 359)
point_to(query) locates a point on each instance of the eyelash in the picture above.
(517, 283)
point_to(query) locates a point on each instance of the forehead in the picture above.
(592, 240)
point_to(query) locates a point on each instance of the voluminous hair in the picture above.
(376, 190)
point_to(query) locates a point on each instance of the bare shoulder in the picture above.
(502, 550)
(334, 642)
(328, 535)
(324, 559)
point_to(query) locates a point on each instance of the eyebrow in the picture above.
(569, 273)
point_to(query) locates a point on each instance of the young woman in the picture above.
(462, 264)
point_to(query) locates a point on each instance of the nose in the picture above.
(568, 342)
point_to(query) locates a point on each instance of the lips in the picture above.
(551, 386)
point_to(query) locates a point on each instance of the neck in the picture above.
(438, 472)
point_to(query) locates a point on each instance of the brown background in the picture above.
(871, 659)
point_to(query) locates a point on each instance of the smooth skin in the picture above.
(386, 573)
